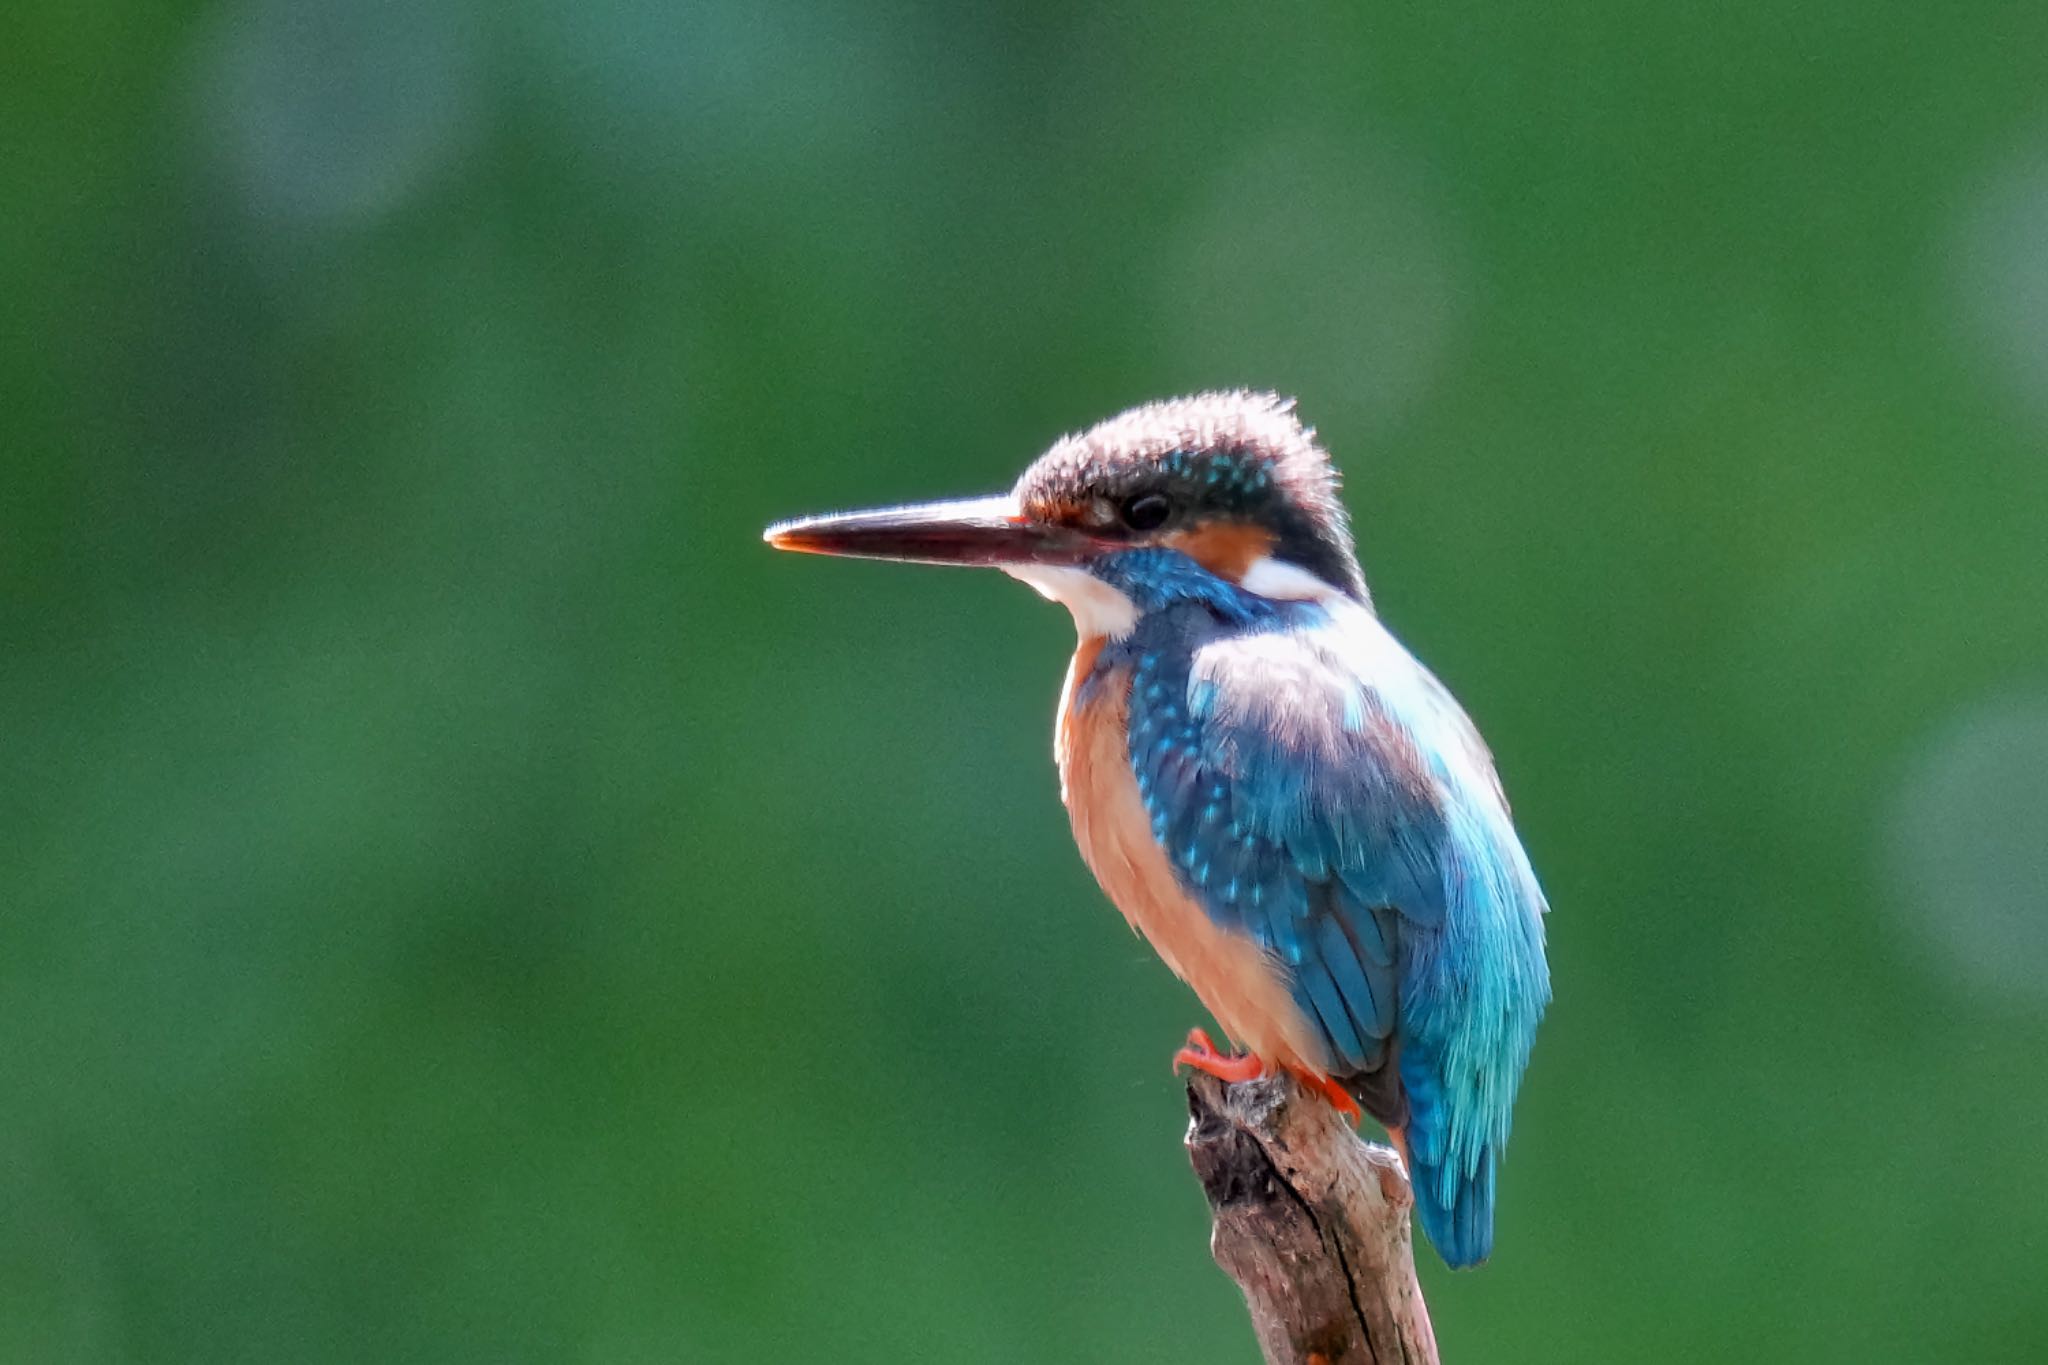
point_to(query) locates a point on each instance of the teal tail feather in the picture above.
(1456, 1212)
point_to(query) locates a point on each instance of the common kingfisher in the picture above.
(1292, 810)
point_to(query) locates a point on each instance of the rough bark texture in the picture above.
(1312, 1223)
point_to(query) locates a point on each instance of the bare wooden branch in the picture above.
(1312, 1223)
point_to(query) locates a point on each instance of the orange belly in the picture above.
(1237, 981)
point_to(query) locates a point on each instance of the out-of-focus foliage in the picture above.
(465, 899)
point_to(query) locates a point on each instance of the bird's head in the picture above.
(1232, 481)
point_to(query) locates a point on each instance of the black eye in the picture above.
(1147, 511)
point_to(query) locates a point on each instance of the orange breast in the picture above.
(1237, 981)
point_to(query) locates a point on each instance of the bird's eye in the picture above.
(1147, 511)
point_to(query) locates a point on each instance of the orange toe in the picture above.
(1232, 1069)
(1340, 1099)
(1201, 1054)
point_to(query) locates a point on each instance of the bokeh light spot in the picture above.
(1966, 848)
(1319, 267)
(331, 113)
(1999, 271)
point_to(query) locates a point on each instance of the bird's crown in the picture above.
(1228, 477)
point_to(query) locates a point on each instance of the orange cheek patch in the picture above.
(1226, 549)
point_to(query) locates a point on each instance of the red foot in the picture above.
(1339, 1098)
(1201, 1054)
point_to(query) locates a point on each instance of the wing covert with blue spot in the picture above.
(1315, 789)
(1250, 833)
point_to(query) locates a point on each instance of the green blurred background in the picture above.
(465, 899)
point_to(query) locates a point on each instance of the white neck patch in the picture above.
(1284, 582)
(1098, 608)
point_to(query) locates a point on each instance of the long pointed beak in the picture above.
(990, 531)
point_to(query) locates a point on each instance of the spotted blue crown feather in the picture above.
(1316, 789)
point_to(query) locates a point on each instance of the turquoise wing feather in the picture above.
(1319, 791)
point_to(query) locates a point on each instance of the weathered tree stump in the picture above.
(1312, 1223)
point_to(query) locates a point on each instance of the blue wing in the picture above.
(1319, 791)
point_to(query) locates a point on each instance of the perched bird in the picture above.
(1291, 809)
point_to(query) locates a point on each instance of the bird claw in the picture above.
(1201, 1054)
(1340, 1099)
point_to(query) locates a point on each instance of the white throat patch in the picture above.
(1284, 582)
(1098, 608)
